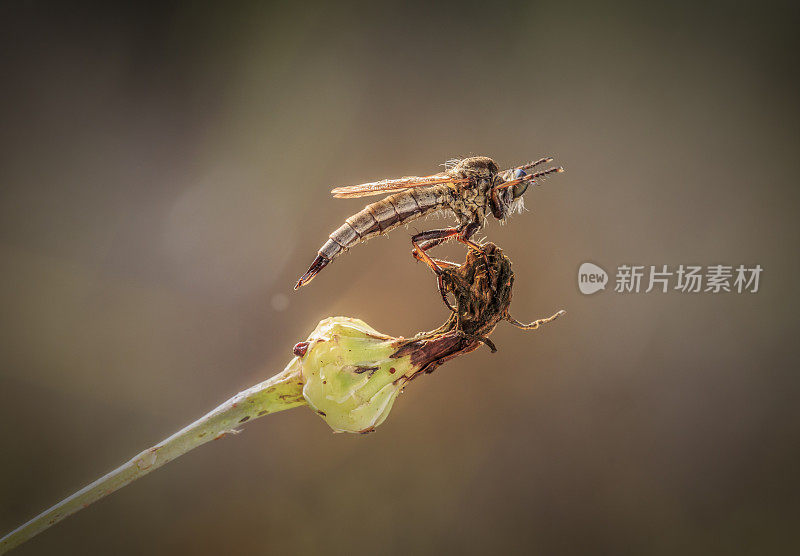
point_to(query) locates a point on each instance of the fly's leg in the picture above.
(430, 239)
(424, 257)
(427, 240)
(424, 241)
(495, 200)
(464, 235)
(425, 246)
(535, 324)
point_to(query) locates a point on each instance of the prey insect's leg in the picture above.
(464, 237)
(535, 324)
(482, 339)
(443, 293)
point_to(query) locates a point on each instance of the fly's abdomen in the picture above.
(376, 219)
(382, 216)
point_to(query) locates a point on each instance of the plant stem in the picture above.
(346, 366)
(282, 391)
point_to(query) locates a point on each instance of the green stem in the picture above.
(282, 391)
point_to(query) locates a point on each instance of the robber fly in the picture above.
(468, 189)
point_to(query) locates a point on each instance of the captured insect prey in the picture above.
(468, 190)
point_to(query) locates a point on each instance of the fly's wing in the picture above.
(382, 186)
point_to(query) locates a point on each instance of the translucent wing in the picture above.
(382, 186)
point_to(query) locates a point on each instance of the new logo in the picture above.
(591, 278)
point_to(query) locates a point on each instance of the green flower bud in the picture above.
(352, 373)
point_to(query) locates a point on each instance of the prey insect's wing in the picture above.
(382, 186)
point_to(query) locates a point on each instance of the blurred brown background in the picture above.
(165, 176)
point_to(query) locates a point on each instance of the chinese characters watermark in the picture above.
(716, 278)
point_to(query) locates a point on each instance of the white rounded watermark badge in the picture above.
(591, 278)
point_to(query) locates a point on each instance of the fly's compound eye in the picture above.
(520, 188)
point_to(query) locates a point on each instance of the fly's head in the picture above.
(507, 199)
(518, 175)
(511, 185)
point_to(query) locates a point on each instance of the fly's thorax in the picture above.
(475, 166)
(471, 200)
